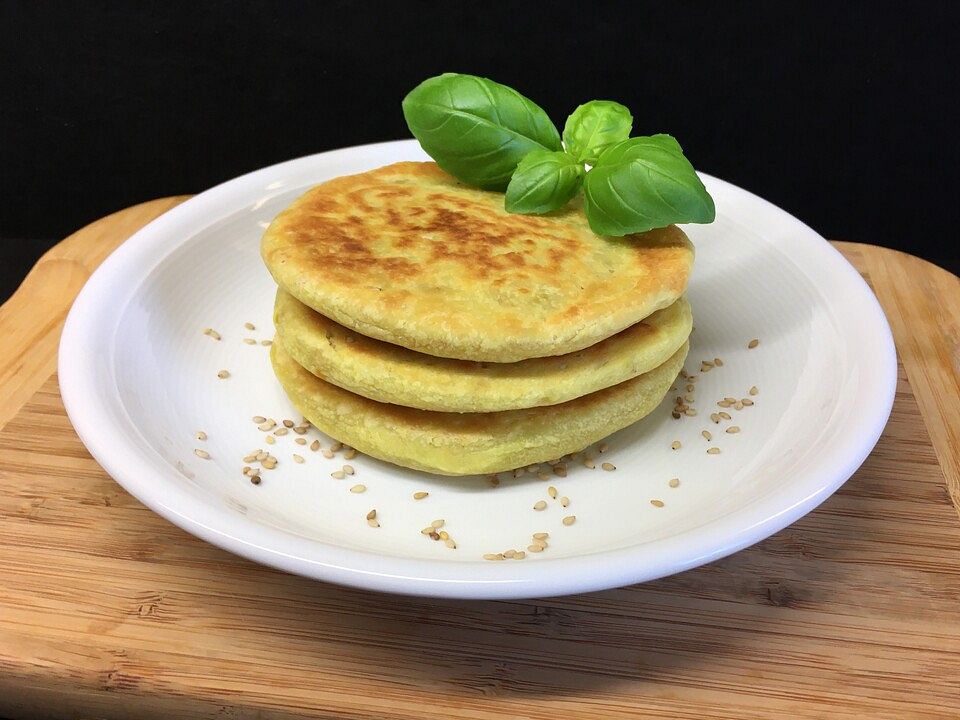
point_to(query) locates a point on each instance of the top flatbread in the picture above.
(409, 255)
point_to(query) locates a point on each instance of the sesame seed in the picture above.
(519, 555)
(299, 429)
(280, 432)
(753, 390)
(725, 416)
(724, 403)
(746, 402)
(288, 423)
(603, 447)
(420, 495)
(588, 463)
(358, 489)
(201, 435)
(259, 419)
(536, 548)
(494, 481)
(509, 553)
(552, 492)
(533, 469)
(674, 482)
(715, 417)
(540, 505)
(223, 374)
(427, 531)
(657, 503)
(270, 439)
(706, 435)
(564, 501)
(518, 472)
(609, 467)
(733, 429)
(250, 341)
(713, 451)
(297, 458)
(373, 523)
(434, 536)
(261, 456)
(675, 445)
(450, 543)
(328, 454)
(202, 454)
(348, 469)
(718, 362)
(437, 524)
(569, 520)
(688, 397)
(493, 556)
(315, 445)
(690, 388)
(250, 458)
(266, 343)
(560, 470)
(690, 412)
(250, 326)
(543, 476)
(255, 479)
(541, 535)
(676, 415)
(300, 441)
(211, 333)
(706, 366)
(738, 405)
(267, 425)
(338, 475)
(752, 344)
(372, 514)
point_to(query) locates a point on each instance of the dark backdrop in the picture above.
(842, 113)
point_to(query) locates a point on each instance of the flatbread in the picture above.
(471, 443)
(409, 255)
(394, 374)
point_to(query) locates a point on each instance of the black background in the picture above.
(844, 114)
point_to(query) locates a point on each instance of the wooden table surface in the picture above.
(108, 611)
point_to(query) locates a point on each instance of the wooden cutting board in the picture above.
(108, 611)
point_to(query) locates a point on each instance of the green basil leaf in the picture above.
(475, 129)
(644, 183)
(545, 180)
(595, 126)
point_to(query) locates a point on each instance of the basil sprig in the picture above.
(490, 136)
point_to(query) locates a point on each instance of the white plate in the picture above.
(139, 379)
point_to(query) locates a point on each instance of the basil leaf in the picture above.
(644, 183)
(545, 180)
(475, 129)
(595, 126)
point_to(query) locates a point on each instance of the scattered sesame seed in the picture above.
(266, 343)
(201, 435)
(657, 503)
(255, 479)
(270, 463)
(688, 397)
(280, 432)
(603, 447)
(674, 482)
(753, 390)
(738, 405)
(223, 374)
(725, 416)
(519, 555)
(372, 514)
(690, 412)
(540, 505)
(328, 454)
(533, 469)
(338, 475)
(288, 423)
(543, 475)
(270, 439)
(337, 446)
(427, 531)
(752, 344)
(301, 441)
(202, 454)
(536, 548)
(299, 429)
(250, 326)
(437, 524)
(259, 419)
(494, 481)
(509, 553)
(450, 543)
(609, 467)
(493, 556)
(420, 495)
(211, 333)
(706, 366)
(718, 362)
(518, 472)
(569, 520)
(373, 523)
(552, 492)
(675, 445)
(560, 470)
(250, 341)
(676, 415)
(261, 456)
(564, 501)
(706, 435)
(266, 425)
(733, 429)
(358, 489)
(541, 535)
(297, 458)
(348, 469)
(315, 445)
(713, 451)
(588, 463)
(715, 417)
(746, 402)
(250, 458)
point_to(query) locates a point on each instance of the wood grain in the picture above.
(108, 611)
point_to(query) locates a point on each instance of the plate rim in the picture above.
(95, 424)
